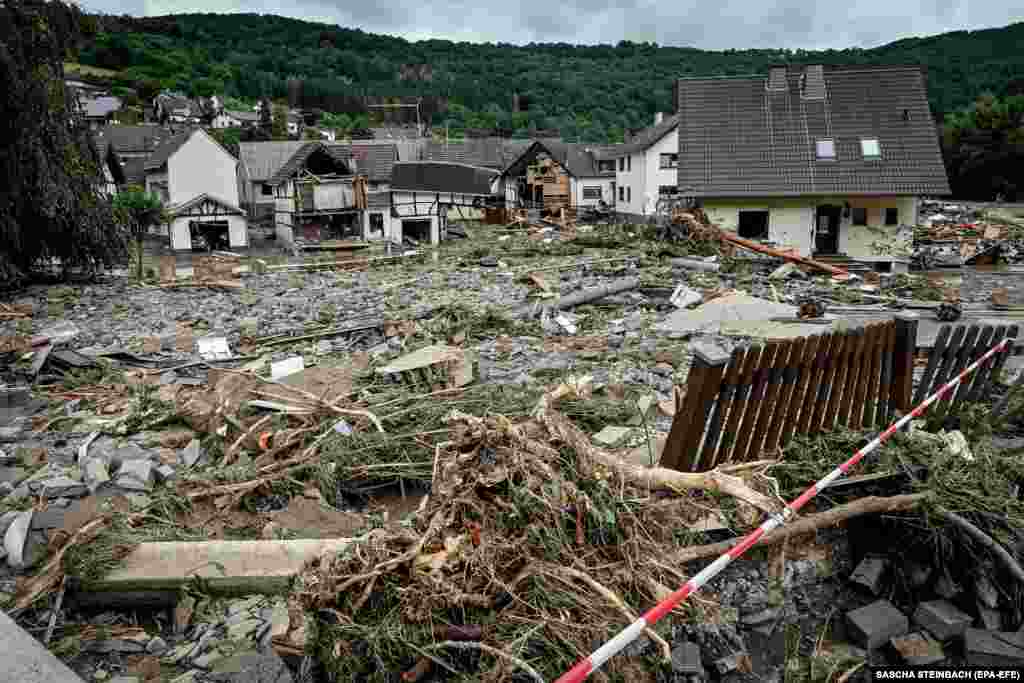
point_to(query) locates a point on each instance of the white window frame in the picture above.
(870, 148)
(668, 162)
(825, 145)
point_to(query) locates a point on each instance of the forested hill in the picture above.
(586, 92)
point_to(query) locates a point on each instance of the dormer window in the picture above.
(870, 148)
(826, 149)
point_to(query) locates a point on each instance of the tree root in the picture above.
(809, 524)
(473, 645)
(986, 541)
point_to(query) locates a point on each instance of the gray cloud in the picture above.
(723, 24)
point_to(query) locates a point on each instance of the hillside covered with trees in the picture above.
(589, 93)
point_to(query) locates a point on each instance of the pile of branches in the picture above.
(532, 541)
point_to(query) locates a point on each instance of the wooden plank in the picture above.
(851, 379)
(741, 452)
(740, 406)
(837, 380)
(942, 375)
(702, 386)
(873, 364)
(884, 413)
(826, 390)
(812, 399)
(769, 404)
(721, 408)
(960, 361)
(857, 408)
(789, 376)
(981, 386)
(797, 404)
(903, 361)
(983, 344)
(934, 356)
(1000, 359)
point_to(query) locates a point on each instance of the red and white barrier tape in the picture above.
(598, 657)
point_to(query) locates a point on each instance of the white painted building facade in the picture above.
(648, 169)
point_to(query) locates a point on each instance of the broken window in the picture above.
(669, 161)
(826, 149)
(860, 215)
(376, 223)
(892, 216)
(266, 190)
(606, 166)
(668, 190)
(870, 148)
(753, 225)
(622, 194)
(592, 192)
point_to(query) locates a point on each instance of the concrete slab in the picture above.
(993, 648)
(228, 567)
(709, 317)
(26, 660)
(870, 574)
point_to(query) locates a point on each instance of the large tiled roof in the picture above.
(263, 159)
(131, 138)
(738, 137)
(373, 161)
(442, 176)
(488, 152)
(166, 148)
(579, 158)
(649, 136)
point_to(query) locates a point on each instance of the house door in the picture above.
(826, 234)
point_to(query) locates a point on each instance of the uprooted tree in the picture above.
(52, 204)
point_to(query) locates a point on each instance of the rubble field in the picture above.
(443, 465)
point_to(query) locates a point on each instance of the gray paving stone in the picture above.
(874, 625)
(942, 619)
(993, 648)
(870, 574)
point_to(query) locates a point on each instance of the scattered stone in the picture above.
(137, 475)
(874, 625)
(686, 660)
(165, 473)
(121, 645)
(993, 648)
(13, 475)
(191, 453)
(96, 474)
(489, 262)
(63, 487)
(207, 660)
(180, 653)
(916, 649)
(941, 619)
(870, 574)
(251, 667)
(683, 297)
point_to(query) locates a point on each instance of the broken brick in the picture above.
(916, 649)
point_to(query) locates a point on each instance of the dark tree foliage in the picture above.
(590, 93)
(984, 149)
(50, 206)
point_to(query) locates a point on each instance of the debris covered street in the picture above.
(439, 467)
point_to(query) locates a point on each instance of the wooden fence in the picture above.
(755, 401)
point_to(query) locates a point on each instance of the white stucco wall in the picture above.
(238, 232)
(181, 237)
(202, 166)
(423, 209)
(605, 183)
(791, 222)
(633, 180)
(654, 176)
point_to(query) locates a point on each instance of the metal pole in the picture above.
(598, 657)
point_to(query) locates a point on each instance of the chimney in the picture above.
(658, 117)
(777, 78)
(812, 82)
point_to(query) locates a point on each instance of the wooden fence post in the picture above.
(903, 361)
(702, 384)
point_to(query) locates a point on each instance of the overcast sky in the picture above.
(713, 25)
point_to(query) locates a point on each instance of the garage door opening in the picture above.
(753, 225)
(212, 236)
(417, 231)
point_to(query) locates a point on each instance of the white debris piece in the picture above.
(288, 366)
(683, 297)
(214, 348)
